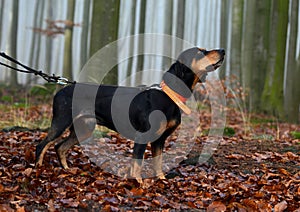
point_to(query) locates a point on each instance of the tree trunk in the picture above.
(84, 33)
(259, 51)
(105, 24)
(2, 3)
(168, 31)
(131, 46)
(272, 97)
(13, 40)
(140, 62)
(291, 91)
(49, 43)
(36, 39)
(236, 36)
(247, 48)
(224, 33)
(67, 66)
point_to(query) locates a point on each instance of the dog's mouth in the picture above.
(214, 66)
(218, 64)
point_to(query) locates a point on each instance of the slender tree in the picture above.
(1, 18)
(140, 62)
(105, 22)
(168, 31)
(224, 27)
(292, 92)
(132, 27)
(260, 49)
(36, 38)
(180, 24)
(84, 54)
(272, 98)
(67, 65)
(49, 41)
(247, 47)
(236, 36)
(13, 40)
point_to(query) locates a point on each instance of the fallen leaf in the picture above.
(6, 208)
(235, 156)
(216, 207)
(250, 204)
(28, 172)
(279, 207)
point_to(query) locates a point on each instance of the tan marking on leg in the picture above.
(164, 126)
(85, 127)
(61, 154)
(41, 158)
(136, 169)
(171, 123)
(157, 166)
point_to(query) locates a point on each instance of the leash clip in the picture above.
(62, 81)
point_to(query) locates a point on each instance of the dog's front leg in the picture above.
(157, 166)
(157, 155)
(137, 161)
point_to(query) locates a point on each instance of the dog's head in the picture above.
(192, 67)
(202, 61)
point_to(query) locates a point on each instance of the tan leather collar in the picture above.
(177, 98)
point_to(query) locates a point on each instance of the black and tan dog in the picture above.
(152, 114)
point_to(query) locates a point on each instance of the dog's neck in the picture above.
(180, 79)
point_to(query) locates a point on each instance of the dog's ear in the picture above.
(188, 56)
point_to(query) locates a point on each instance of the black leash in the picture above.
(48, 78)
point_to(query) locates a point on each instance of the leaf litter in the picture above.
(257, 170)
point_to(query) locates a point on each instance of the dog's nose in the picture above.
(222, 51)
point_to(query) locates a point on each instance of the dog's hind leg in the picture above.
(81, 130)
(54, 133)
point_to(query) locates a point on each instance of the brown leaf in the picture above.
(264, 206)
(50, 204)
(216, 206)
(6, 207)
(250, 204)
(20, 209)
(283, 171)
(29, 155)
(191, 193)
(191, 204)
(1, 188)
(73, 170)
(110, 208)
(235, 156)
(28, 172)
(237, 206)
(259, 157)
(156, 202)
(280, 206)
(137, 191)
(70, 202)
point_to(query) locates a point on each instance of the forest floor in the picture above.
(254, 168)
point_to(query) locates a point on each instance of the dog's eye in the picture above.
(202, 51)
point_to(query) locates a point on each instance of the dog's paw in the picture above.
(161, 176)
(139, 180)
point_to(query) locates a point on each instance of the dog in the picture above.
(153, 113)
